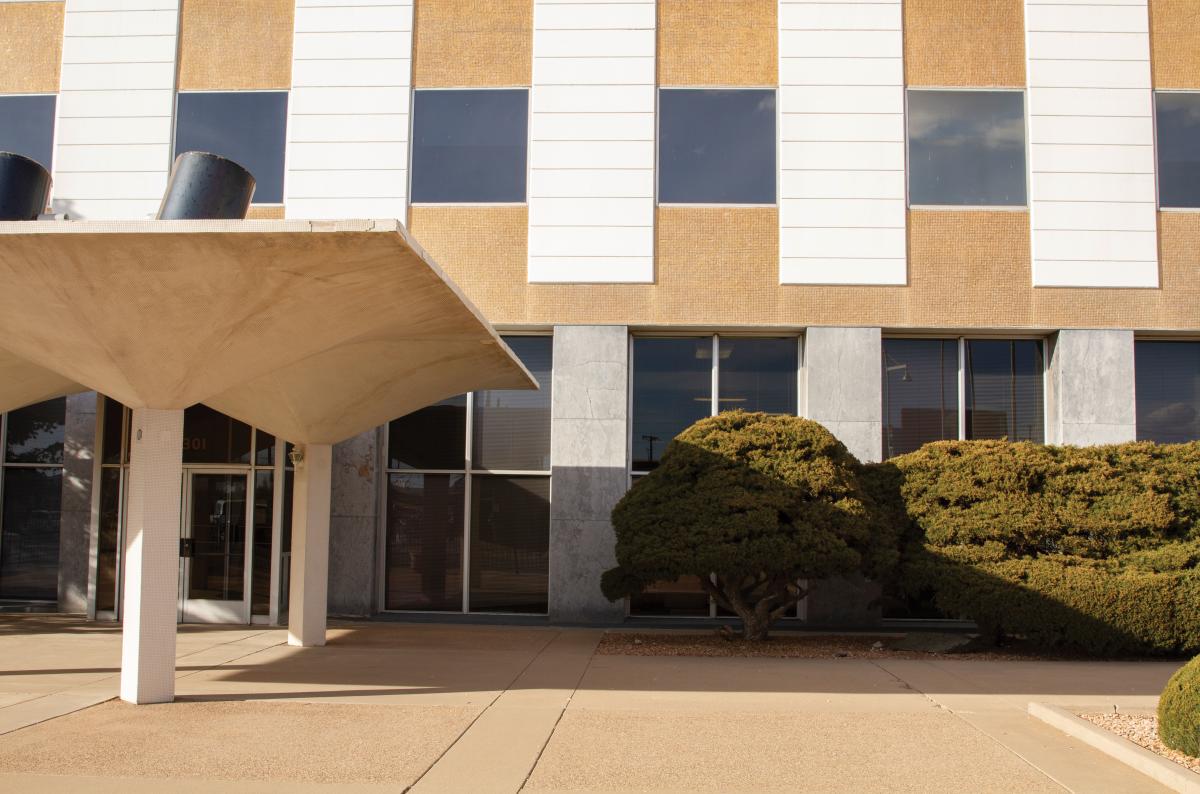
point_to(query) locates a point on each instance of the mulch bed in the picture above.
(1141, 729)
(783, 646)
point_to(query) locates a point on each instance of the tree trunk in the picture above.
(758, 602)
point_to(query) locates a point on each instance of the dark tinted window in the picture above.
(35, 433)
(757, 375)
(424, 541)
(430, 438)
(510, 541)
(512, 428)
(212, 437)
(1178, 123)
(470, 146)
(920, 393)
(966, 147)
(245, 126)
(27, 126)
(1168, 391)
(716, 146)
(1005, 390)
(672, 388)
(29, 544)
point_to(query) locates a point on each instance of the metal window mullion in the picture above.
(962, 388)
(3, 471)
(247, 544)
(467, 466)
(715, 386)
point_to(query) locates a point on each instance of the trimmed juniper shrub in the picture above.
(749, 503)
(1092, 548)
(1179, 710)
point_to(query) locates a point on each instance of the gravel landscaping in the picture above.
(816, 646)
(1141, 729)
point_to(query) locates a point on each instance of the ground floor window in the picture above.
(468, 499)
(677, 381)
(31, 495)
(939, 389)
(1168, 391)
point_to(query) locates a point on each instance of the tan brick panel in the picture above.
(718, 42)
(965, 44)
(464, 43)
(228, 45)
(30, 47)
(718, 267)
(1175, 43)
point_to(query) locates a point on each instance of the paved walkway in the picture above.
(388, 707)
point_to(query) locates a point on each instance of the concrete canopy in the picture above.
(313, 331)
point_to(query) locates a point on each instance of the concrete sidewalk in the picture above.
(482, 708)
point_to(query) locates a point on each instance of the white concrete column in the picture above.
(307, 596)
(152, 557)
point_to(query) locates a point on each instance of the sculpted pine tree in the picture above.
(750, 504)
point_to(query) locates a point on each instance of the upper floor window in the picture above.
(1002, 392)
(1178, 124)
(27, 126)
(966, 148)
(470, 146)
(1167, 391)
(716, 146)
(248, 127)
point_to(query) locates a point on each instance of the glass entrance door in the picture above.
(214, 575)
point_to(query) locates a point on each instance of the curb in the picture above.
(1169, 773)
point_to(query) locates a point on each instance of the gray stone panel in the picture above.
(843, 386)
(353, 525)
(1092, 387)
(75, 529)
(589, 433)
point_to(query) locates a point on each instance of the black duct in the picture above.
(24, 188)
(206, 186)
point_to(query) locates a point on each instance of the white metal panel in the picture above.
(116, 101)
(630, 70)
(591, 183)
(607, 211)
(841, 101)
(349, 109)
(1091, 151)
(590, 269)
(592, 126)
(591, 155)
(816, 270)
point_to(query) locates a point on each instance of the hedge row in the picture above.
(1093, 548)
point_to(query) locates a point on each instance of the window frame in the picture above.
(801, 612)
(658, 89)
(287, 123)
(411, 145)
(1158, 205)
(908, 89)
(1154, 338)
(961, 380)
(468, 472)
(6, 464)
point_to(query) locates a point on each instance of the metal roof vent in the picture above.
(24, 187)
(206, 186)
